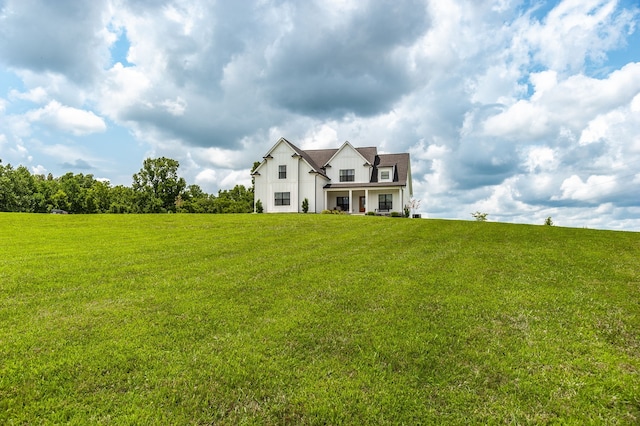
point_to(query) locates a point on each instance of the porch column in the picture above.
(366, 201)
(325, 200)
(350, 201)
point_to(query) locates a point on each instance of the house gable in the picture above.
(295, 153)
(347, 164)
(287, 176)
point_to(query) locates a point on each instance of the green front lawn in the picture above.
(315, 319)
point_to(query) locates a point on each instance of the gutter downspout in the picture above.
(298, 178)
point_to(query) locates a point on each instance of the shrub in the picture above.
(305, 205)
(259, 208)
(335, 211)
(395, 214)
(371, 213)
(480, 217)
(548, 221)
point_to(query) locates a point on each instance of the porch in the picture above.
(363, 200)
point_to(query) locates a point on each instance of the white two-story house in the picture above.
(354, 180)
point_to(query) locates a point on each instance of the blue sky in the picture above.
(521, 109)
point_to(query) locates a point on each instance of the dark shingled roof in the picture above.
(362, 185)
(318, 158)
(309, 158)
(321, 156)
(369, 153)
(401, 161)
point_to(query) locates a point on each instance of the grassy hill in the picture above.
(315, 319)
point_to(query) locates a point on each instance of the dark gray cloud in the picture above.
(327, 69)
(78, 164)
(197, 58)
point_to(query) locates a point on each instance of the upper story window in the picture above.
(384, 175)
(282, 172)
(347, 175)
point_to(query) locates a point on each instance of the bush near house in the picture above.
(480, 216)
(334, 211)
(275, 319)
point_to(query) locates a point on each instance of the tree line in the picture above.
(156, 188)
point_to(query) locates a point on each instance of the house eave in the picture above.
(364, 185)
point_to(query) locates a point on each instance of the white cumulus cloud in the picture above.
(68, 119)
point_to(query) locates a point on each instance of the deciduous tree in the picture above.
(157, 185)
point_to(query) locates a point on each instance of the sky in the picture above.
(520, 109)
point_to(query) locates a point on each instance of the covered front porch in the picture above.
(363, 200)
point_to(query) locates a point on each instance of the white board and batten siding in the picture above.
(374, 199)
(318, 197)
(299, 183)
(348, 159)
(282, 156)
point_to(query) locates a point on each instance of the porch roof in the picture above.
(363, 185)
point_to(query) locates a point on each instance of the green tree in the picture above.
(253, 179)
(71, 187)
(237, 200)
(17, 187)
(45, 188)
(6, 188)
(121, 199)
(60, 200)
(157, 185)
(195, 200)
(100, 193)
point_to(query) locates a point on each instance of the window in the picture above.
(283, 198)
(385, 202)
(282, 172)
(347, 175)
(343, 203)
(384, 175)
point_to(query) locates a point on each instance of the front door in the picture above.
(362, 202)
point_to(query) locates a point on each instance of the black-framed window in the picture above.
(347, 175)
(343, 203)
(385, 201)
(283, 198)
(384, 175)
(282, 172)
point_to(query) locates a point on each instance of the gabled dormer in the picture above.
(386, 174)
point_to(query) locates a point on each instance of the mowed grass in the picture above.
(315, 319)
